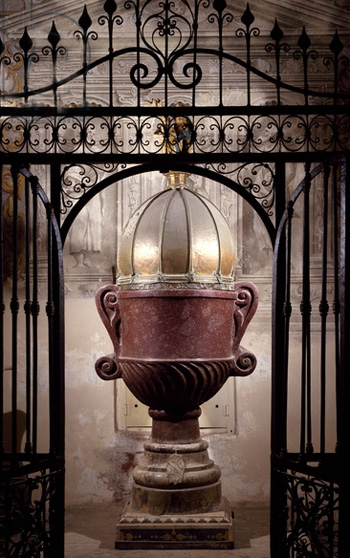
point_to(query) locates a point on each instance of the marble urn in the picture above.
(176, 319)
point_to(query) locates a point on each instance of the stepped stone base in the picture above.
(212, 530)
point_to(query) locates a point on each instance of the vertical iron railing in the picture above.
(14, 306)
(336, 292)
(310, 486)
(28, 312)
(278, 515)
(305, 310)
(2, 310)
(324, 309)
(31, 522)
(35, 314)
(343, 387)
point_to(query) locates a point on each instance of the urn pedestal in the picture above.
(174, 349)
(176, 320)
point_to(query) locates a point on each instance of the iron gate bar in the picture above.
(344, 380)
(1, 334)
(336, 298)
(14, 306)
(305, 310)
(163, 163)
(324, 309)
(35, 314)
(27, 311)
(287, 311)
(327, 465)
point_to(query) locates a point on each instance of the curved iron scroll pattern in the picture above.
(135, 135)
(77, 179)
(24, 525)
(160, 22)
(313, 517)
(257, 178)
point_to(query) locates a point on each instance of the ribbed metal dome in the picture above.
(176, 236)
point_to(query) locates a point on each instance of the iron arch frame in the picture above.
(191, 169)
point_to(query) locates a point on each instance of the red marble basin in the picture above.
(175, 348)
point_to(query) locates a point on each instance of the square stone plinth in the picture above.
(212, 530)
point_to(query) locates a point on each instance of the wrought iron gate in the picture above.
(77, 120)
(309, 479)
(32, 353)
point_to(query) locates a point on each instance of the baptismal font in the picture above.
(176, 319)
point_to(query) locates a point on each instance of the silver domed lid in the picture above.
(176, 236)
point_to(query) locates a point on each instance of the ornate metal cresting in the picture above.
(171, 60)
(176, 321)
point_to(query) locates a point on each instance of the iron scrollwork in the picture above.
(170, 59)
(166, 60)
(313, 516)
(76, 179)
(25, 503)
(128, 135)
(257, 178)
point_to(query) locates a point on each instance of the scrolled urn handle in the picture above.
(246, 303)
(107, 304)
(244, 363)
(107, 368)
